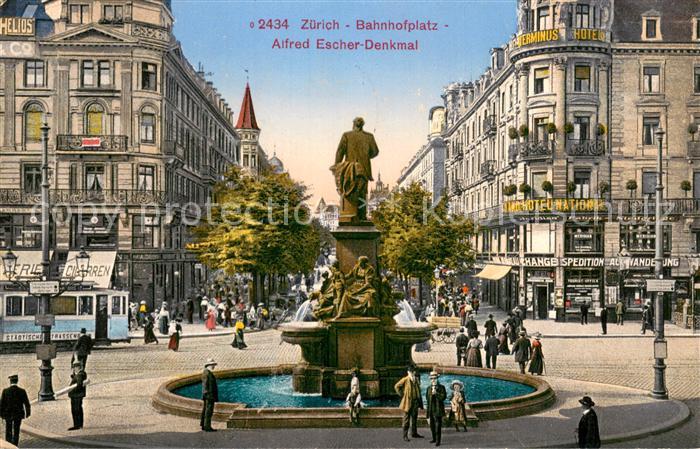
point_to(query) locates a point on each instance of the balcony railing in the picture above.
(490, 126)
(646, 207)
(82, 197)
(536, 150)
(694, 148)
(456, 188)
(585, 148)
(488, 169)
(82, 142)
(171, 148)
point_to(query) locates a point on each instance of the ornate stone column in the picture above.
(603, 94)
(559, 87)
(522, 71)
(9, 137)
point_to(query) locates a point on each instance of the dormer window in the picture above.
(651, 26)
(650, 32)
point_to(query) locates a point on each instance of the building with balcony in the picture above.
(427, 166)
(552, 150)
(137, 139)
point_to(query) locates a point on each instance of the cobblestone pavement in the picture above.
(609, 360)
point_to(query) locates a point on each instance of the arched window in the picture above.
(148, 125)
(32, 123)
(94, 120)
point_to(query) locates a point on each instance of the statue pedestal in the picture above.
(353, 241)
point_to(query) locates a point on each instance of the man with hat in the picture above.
(588, 433)
(408, 388)
(76, 394)
(83, 347)
(14, 407)
(461, 342)
(435, 396)
(491, 350)
(490, 326)
(472, 329)
(521, 351)
(210, 395)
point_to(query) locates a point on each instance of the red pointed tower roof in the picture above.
(246, 118)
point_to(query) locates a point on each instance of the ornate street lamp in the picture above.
(9, 264)
(623, 264)
(659, 391)
(83, 262)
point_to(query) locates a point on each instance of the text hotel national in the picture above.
(552, 150)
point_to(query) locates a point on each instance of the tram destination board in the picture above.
(661, 285)
(43, 287)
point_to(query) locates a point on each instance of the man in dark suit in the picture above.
(472, 328)
(77, 380)
(604, 319)
(461, 343)
(584, 313)
(435, 396)
(521, 351)
(14, 407)
(491, 350)
(210, 395)
(588, 434)
(83, 347)
(490, 326)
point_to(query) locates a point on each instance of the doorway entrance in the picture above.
(101, 317)
(542, 296)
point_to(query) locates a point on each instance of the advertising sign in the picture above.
(17, 26)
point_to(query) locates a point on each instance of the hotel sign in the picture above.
(17, 26)
(589, 34)
(551, 205)
(537, 37)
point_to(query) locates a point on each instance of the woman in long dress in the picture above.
(174, 342)
(211, 318)
(474, 352)
(503, 340)
(537, 360)
(148, 335)
(457, 402)
(163, 316)
(238, 341)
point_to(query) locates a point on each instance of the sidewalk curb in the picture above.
(199, 335)
(651, 336)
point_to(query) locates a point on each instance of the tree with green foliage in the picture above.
(418, 236)
(258, 225)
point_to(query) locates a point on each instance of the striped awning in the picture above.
(493, 272)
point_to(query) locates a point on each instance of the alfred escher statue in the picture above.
(353, 171)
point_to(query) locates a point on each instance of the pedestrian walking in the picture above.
(457, 403)
(588, 434)
(646, 319)
(461, 343)
(472, 329)
(14, 407)
(148, 335)
(408, 388)
(133, 316)
(143, 311)
(203, 308)
(584, 313)
(604, 320)
(175, 335)
(353, 401)
(163, 319)
(435, 396)
(491, 351)
(490, 326)
(521, 351)
(503, 339)
(620, 310)
(537, 359)
(260, 313)
(210, 322)
(512, 326)
(474, 352)
(189, 311)
(77, 393)
(238, 341)
(210, 395)
(83, 347)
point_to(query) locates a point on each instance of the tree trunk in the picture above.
(420, 290)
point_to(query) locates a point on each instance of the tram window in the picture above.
(13, 305)
(31, 305)
(64, 305)
(85, 305)
(116, 305)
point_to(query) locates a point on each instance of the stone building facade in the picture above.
(137, 139)
(552, 150)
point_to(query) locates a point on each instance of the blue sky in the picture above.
(305, 99)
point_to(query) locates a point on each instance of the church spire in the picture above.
(246, 117)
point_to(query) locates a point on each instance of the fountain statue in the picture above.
(355, 307)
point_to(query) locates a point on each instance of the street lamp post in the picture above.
(659, 391)
(623, 265)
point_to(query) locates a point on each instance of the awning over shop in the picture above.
(99, 272)
(493, 272)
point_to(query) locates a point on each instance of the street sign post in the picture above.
(661, 285)
(43, 287)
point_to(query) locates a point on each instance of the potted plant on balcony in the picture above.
(568, 128)
(692, 130)
(547, 187)
(601, 129)
(512, 133)
(551, 129)
(570, 187)
(603, 188)
(631, 186)
(525, 189)
(686, 187)
(510, 190)
(524, 131)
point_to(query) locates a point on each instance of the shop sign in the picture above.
(646, 262)
(537, 37)
(90, 142)
(31, 336)
(551, 205)
(589, 34)
(661, 285)
(17, 26)
(18, 50)
(584, 262)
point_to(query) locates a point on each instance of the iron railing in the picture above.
(488, 169)
(531, 150)
(585, 148)
(87, 197)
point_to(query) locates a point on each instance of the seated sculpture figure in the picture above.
(359, 298)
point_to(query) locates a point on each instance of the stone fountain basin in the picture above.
(237, 415)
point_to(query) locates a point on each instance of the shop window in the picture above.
(94, 231)
(95, 177)
(537, 180)
(148, 76)
(649, 183)
(64, 305)
(582, 126)
(146, 178)
(541, 77)
(31, 305)
(582, 78)
(583, 16)
(79, 14)
(651, 80)
(582, 181)
(642, 237)
(22, 231)
(148, 126)
(85, 305)
(13, 306)
(34, 74)
(94, 120)
(33, 116)
(583, 238)
(31, 178)
(145, 231)
(649, 126)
